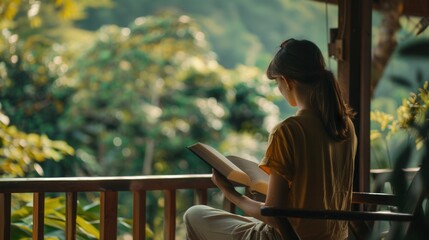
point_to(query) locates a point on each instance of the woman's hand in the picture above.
(249, 206)
(223, 184)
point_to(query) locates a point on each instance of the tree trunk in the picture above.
(148, 156)
(150, 142)
(386, 42)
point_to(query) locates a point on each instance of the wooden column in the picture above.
(354, 74)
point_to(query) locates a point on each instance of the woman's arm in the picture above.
(278, 190)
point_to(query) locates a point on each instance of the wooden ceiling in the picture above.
(419, 8)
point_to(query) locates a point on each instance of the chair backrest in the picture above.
(410, 201)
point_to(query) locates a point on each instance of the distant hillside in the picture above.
(240, 31)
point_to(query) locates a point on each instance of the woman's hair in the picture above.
(302, 61)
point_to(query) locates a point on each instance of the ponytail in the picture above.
(302, 61)
(332, 108)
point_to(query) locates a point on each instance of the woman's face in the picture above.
(285, 88)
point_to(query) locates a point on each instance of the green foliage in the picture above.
(21, 153)
(65, 9)
(412, 113)
(30, 90)
(22, 218)
(33, 87)
(413, 110)
(141, 94)
(132, 99)
(414, 116)
(87, 219)
(239, 32)
(160, 84)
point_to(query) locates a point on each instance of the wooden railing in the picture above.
(108, 187)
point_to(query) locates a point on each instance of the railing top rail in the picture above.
(117, 183)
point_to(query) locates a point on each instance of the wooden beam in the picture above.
(417, 8)
(354, 74)
(96, 184)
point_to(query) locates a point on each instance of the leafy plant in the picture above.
(87, 219)
(21, 153)
(387, 127)
(412, 113)
(415, 116)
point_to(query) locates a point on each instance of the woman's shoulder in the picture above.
(301, 117)
(301, 123)
(290, 123)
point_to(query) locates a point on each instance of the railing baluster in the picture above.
(169, 214)
(201, 196)
(5, 201)
(38, 215)
(228, 206)
(139, 215)
(71, 211)
(108, 215)
(108, 188)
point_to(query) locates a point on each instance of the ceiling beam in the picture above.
(417, 8)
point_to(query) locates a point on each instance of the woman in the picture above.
(309, 159)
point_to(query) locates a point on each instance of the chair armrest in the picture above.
(375, 198)
(336, 215)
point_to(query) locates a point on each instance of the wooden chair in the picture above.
(405, 221)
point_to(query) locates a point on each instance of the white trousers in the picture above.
(207, 223)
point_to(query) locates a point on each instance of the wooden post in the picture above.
(200, 196)
(354, 74)
(5, 207)
(71, 212)
(139, 215)
(108, 215)
(169, 214)
(38, 215)
(228, 206)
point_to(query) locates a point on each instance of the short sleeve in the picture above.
(279, 154)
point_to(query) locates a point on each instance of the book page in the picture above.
(258, 178)
(219, 162)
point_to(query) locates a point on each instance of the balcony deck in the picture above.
(108, 187)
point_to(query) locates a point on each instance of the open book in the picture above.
(235, 169)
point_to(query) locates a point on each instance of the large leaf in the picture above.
(87, 228)
(55, 222)
(21, 231)
(21, 213)
(416, 49)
